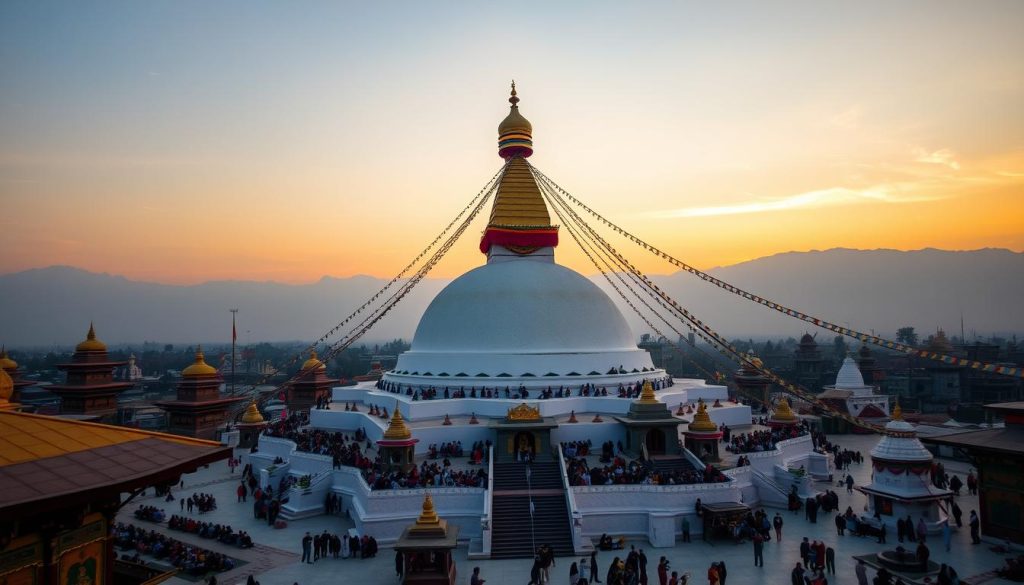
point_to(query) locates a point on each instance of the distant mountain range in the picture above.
(876, 290)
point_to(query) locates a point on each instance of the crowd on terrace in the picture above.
(616, 470)
(765, 440)
(346, 451)
(221, 533)
(189, 558)
(520, 393)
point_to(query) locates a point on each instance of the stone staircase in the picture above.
(511, 536)
(664, 464)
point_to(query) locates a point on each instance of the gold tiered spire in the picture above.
(647, 394)
(397, 431)
(702, 422)
(252, 414)
(91, 343)
(199, 367)
(897, 412)
(428, 524)
(313, 362)
(783, 413)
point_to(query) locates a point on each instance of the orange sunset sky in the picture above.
(181, 142)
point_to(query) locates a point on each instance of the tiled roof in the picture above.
(54, 461)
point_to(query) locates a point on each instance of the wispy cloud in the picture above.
(830, 197)
(945, 157)
(849, 118)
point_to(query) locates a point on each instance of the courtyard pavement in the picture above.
(275, 559)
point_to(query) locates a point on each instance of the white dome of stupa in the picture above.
(850, 378)
(900, 442)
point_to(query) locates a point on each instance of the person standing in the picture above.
(975, 525)
(958, 514)
(947, 534)
(475, 578)
(398, 563)
(722, 573)
(307, 548)
(796, 576)
(713, 578)
(777, 523)
(584, 571)
(663, 571)
(675, 579)
(840, 524)
(593, 567)
(758, 549)
(922, 530)
(861, 571)
(574, 574)
(642, 560)
(881, 531)
(805, 550)
(686, 529)
(901, 530)
(830, 560)
(849, 484)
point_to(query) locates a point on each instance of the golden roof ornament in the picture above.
(524, 412)
(199, 367)
(91, 343)
(897, 412)
(6, 362)
(6, 387)
(783, 413)
(313, 362)
(397, 431)
(702, 422)
(647, 394)
(252, 415)
(428, 524)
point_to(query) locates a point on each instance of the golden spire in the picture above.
(91, 343)
(897, 412)
(6, 362)
(6, 387)
(397, 431)
(313, 362)
(199, 367)
(702, 422)
(252, 414)
(783, 413)
(428, 525)
(647, 394)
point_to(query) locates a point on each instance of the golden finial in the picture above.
(313, 362)
(897, 412)
(91, 335)
(428, 516)
(397, 431)
(252, 414)
(6, 387)
(702, 422)
(5, 360)
(428, 525)
(513, 99)
(199, 367)
(783, 413)
(91, 343)
(647, 394)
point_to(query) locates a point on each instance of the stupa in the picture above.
(250, 426)
(425, 549)
(783, 416)
(90, 390)
(7, 391)
(901, 478)
(852, 395)
(751, 382)
(310, 386)
(396, 448)
(199, 409)
(702, 435)
(521, 319)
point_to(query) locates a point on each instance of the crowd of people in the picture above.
(186, 557)
(522, 393)
(200, 502)
(218, 532)
(328, 545)
(620, 472)
(765, 440)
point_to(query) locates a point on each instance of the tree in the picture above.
(906, 335)
(839, 347)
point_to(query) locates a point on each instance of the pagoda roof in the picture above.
(57, 462)
(1009, 440)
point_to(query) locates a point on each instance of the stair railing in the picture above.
(485, 520)
(575, 518)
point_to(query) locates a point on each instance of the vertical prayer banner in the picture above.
(82, 565)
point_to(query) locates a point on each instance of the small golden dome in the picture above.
(6, 387)
(6, 362)
(783, 413)
(428, 516)
(252, 414)
(397, 431)
(91, 343)
(313, 363)
(702, 422)
(199, 367)
(897, 412)
(515, 133)
(647, 394)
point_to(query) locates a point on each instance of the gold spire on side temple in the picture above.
(91, 343)
(313, 362)
(6, 362)
(252, 414)
(199, 367)
(897, 412)
(428, 524)
(397, 430)
(702, 422)
(647, 394)
(783, 413)
(6, 387)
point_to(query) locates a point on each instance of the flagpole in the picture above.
(234, 336)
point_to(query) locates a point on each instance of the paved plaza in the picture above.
(275, 559)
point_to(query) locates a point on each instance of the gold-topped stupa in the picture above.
(6, 363)
(783, 414)
(252, 415)
(397, 430)
(313, 362)
(647, 394)
(897, 412)
(6, 391)
(91, 343)
(702, 422)
(199, 367)
(428, 524)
